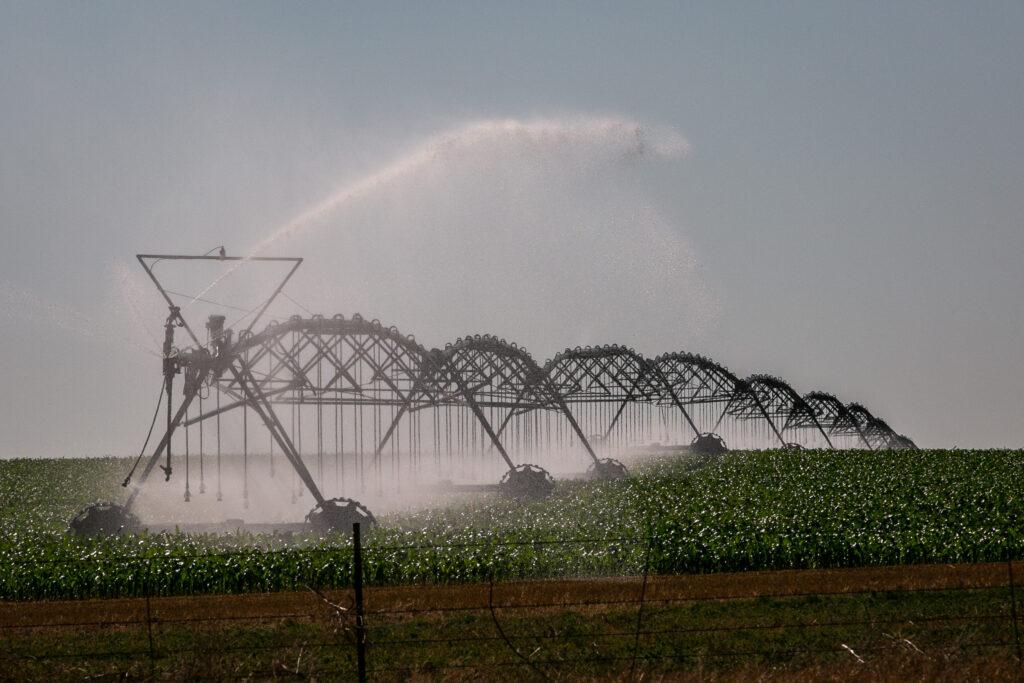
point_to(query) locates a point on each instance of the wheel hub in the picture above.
(709, 444)
(527, 482)
(607, 469)
(337, 515)
(103, 519)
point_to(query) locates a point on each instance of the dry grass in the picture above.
(708, 619)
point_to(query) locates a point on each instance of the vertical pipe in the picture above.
(292, 436)
(319, 424)
(188, 493)
(270, 370)
(245, 455)
(202, 481)
(220, 495)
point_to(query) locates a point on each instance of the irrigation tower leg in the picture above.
(575, 426)
(191, 391)
(471, 402)
(675, 400)
(258, 400)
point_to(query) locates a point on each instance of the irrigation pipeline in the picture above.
(149, 434)
(479, 410)
(385, 409)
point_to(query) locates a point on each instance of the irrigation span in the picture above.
(350, 395)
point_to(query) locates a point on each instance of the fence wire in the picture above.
(625, 623)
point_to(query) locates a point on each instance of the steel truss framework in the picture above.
(379, 403)
(365, 392)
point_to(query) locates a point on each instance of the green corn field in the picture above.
(745, 511)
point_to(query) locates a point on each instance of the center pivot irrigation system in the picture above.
(371, 404)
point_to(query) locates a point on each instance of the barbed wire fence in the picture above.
(544, 629)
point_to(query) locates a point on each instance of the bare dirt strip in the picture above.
(531, 594)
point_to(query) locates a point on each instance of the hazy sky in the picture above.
(847, 212)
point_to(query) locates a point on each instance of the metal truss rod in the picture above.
(259, 402)
(618, 413)
(230, 406)
(191, 391)
(471, 402)
(560, 402)
(675, 399)
(818, 425)
(757, 400)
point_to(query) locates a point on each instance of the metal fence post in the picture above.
(640, 610)
(1013, 608)
(149, 615)
(357, 585)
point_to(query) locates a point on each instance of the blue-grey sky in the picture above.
(848, 216)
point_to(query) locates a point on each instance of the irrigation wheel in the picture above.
(607, 469)
(708, 444)
(527, 482)
(103, 519)
(902, 443)
(337, 515)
